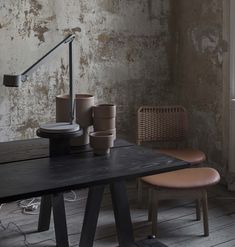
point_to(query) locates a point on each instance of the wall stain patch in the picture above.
(120, 56)
(35, 7)
(39, 32)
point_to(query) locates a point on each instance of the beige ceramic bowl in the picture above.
(101, 142)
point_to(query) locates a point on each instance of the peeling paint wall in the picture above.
(127, 52)
(120, 55)
(197, 27)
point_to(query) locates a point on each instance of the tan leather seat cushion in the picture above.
(193, 156)
(188, 178)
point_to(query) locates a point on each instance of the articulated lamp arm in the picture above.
(15, 80)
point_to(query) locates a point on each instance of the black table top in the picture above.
(40, 176)
(26, 169)
(37, 148)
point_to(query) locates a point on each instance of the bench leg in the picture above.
(154, 213)
(45, 214)
(198, 209)
(91, 216)
(205, 213)
(150, 204)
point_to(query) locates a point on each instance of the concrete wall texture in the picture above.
(198, 73)
(120, 56)
(127, 52)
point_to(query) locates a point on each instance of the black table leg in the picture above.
(123, 219)
(122, 214)
(61, 233)
(91, 216)
(57, 147)
(45, 213)
(55, 202)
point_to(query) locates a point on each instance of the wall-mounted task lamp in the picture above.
(16, 80)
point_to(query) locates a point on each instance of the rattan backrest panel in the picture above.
(162, 123)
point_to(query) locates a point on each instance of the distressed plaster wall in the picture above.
(120, 55)
(197, 28)
(127, 52)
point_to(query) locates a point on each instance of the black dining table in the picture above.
(27, 170)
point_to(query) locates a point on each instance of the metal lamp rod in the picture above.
(71, 100)
(33, 67)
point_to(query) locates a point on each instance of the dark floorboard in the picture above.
(177, 225)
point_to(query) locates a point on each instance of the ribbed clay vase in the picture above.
(101, 142)
(84, 104)
(105, 118)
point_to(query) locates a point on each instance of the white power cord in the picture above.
(73, 199)
(29, 206)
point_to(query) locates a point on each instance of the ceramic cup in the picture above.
(101, 142)
(104, 118)
(104, 111)
(84, 104)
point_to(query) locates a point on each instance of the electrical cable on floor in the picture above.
(25, 241)
(29, 206)
(74, 199)
(18, 229)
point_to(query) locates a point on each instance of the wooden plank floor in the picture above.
(177, 225)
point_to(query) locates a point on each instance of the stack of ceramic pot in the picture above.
(105, 118)
(83, 104)
(102, 117)
(104, 134)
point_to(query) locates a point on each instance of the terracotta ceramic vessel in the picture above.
(104, 124)
(84, 104)
(101, 142)
(104, 118)
(104, 111)
(62, 108)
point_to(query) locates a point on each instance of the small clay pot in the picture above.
(104, 111)
(101, 142)
(101, 124)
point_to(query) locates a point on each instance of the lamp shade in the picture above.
(12, 80)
